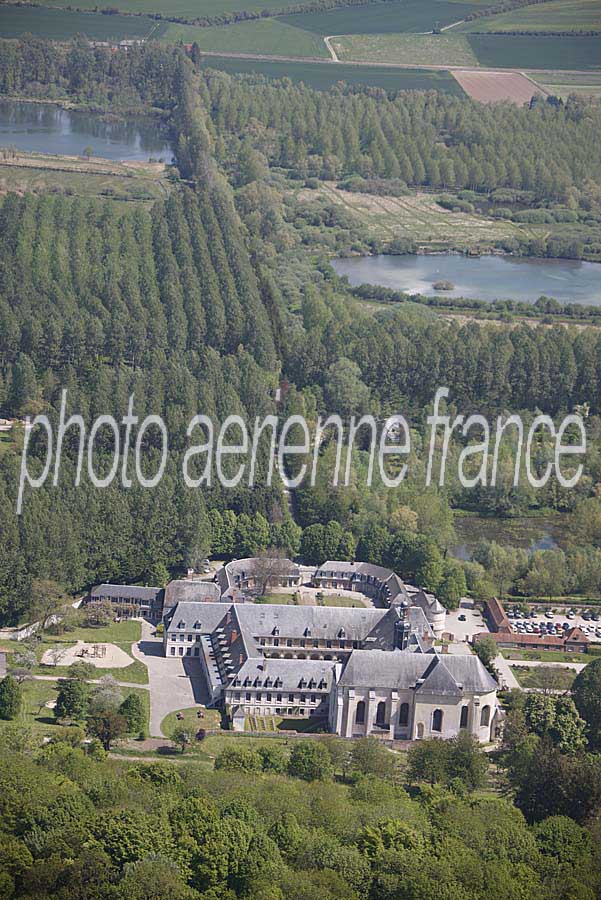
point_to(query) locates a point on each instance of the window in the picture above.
(404, 714)
(360, 713)
(313, 698)
(269, 698)
(189, 637)
(276, 642)
(315, 642)
(464, 715)
(437, 720)
(173, 651)
(485, 716)
(289, 642)
(381, 713)
(279, 698)
(302, 642)
(290, 698)
(303, 699)
(259, 695)
(181, 651)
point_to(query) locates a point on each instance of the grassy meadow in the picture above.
(59, 24)
(557, 15)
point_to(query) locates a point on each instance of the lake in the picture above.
(45, 128)
(483, 277)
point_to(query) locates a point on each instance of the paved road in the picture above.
(176, 683)
(506, 677)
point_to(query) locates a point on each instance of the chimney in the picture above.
(241, 659)
(233, 636)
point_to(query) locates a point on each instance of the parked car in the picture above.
(549, 614)
(461, 618)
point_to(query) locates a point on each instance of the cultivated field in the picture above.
(191, 8)
(524, 51)
(411, 49)
(38, 173)
(261, 36)
(492, 87)
(557, 15)
(322, 76)
(383, 18)
(57, 24)
(562, 85)
(418, 217)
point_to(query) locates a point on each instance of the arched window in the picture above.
(437, 720)
(485, 716)
(464, 715)
(360, 713)
(404, 714)
(381, 713)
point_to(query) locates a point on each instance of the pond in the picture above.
(484, 277)
(531, 533)
(45, 128)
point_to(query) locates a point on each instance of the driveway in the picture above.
(176, 683)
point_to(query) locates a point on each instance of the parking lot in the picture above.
(539, 622)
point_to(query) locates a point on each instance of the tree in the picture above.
(106, 695)
(486, 651)
(47, 599)
(107, 726)
(586, 692)
(310, 761)
(57, 654)
(132, 709)
(10, 698)
(238, 759)
(452, 586)
(370, 757)
(73, 698)
(182, 736)
(269, 568)
(88, 152)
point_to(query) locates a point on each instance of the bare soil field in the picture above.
(493, 87)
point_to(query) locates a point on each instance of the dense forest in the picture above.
(216, 295)
(312, 819)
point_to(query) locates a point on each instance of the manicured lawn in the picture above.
(557, 15)
(409, 49)
(128, 631)
(544, 677)
(33, 712)
(211, 720)
(545, 655)
(271, 37)
(276, 724)
(58, 24)
(136, 673)
(341, 600)
(277, 599)
(323, 76)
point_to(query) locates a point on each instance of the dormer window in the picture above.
(181, 624)
(307, 632)
(275, 631)
(312, 684)
(302, 683)
(268, 682)
(277, 683)
(197, 625)
(342, 633)
(322, 684)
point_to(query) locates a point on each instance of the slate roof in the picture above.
(191, 592)
(401, 670)
(208, 615)
(292, 674)
(326, 622)
(125, 591)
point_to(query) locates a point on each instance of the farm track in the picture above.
(384, 65)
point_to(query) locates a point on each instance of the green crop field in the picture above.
(383, 18)
(410, 49)
(525, 51)
(261, 36)
(563, 84)
(557, 15)
(322, 76)
(190, 8)
(60, 25)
